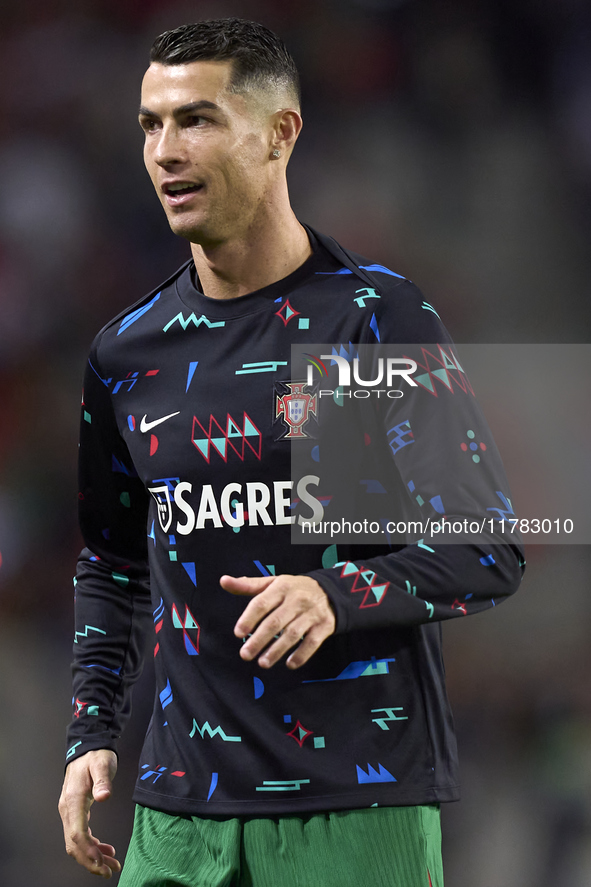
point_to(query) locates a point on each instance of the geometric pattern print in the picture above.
(158, 615)
(157, 772)
(286, 312)
(366, 581)
(373, 775)
(84, 708)
(191, 629)
(197, 321)
(125, 385)
(301, 733)
(135, 315)
(399, 436)
(443, 368)
(229, 436)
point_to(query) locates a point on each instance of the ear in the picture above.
(286, 126)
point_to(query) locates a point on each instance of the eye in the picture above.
(195, 120)
(148, 124)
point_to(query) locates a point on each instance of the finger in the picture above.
(292, 635)
(97, 858)
(109, 858)
(106, 849)
(104, 866)
(104, 857)
(263, 618)
(311, 642)
(258, 609)
(246, 584)
(277, 623)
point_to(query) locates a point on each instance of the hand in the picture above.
(294, 607)
(88, 779)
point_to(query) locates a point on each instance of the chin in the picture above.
(186, 228)
(197, 231)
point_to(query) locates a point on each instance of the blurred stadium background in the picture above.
(447, 139)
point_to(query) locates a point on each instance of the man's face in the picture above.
(206, 150)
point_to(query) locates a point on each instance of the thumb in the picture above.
(246, 584)
(102, 775)
(101, 789)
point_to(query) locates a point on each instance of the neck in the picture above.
(257, 257)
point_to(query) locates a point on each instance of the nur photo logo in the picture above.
(385, 371)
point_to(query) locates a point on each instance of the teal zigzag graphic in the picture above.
(207, 729)
(84, 634)
(197, 321)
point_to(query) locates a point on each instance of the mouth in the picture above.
(179, 193)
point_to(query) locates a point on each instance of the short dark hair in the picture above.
(260, 58)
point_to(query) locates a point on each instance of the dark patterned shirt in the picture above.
(190, 412)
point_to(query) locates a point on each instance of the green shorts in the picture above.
(379, 846)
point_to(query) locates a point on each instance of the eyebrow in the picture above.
(203, 105)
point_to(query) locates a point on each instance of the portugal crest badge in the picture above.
(294, 408)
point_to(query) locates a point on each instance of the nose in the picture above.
(169, 147)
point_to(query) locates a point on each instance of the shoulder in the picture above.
(398, 306)
(405, 315)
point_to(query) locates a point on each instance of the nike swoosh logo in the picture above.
(146, 426)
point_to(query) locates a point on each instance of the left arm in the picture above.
(430, 432)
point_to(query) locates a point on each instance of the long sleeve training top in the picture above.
(192, 408)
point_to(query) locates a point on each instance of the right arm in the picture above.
(112, 612)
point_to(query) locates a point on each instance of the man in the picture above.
(270, 759)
